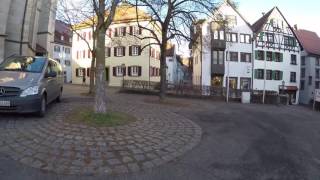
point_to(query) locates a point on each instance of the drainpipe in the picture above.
(22, 26)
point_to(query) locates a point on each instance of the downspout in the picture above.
(201, 52)
(252, 59)
(22, 26)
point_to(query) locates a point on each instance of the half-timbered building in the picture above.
(276, 55)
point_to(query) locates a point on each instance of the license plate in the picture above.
(5, 103)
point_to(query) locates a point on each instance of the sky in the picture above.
(304, 13)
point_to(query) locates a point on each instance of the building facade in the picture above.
(61, 48)
(277, 56)
(26, 27)
(223, 49)
(310, 65)
(175, 69)
(124, 48)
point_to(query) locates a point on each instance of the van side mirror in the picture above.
(51, 74)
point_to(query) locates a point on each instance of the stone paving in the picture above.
(56, 145)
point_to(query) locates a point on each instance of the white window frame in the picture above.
(119, 51)
(134, 71)
(135, 30)
(135, 50)
(121, 31)
(119, 71)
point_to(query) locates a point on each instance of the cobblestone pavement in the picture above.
(55, 145)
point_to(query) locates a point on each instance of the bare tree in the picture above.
(174, 18)
(97, 14)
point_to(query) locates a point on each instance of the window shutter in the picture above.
(281, 75)
(256, 73)
(273, 56)
(273, 75)
(130, 50)
(124, 51)
(115, 32)
(114, 71)
(281, 57)
(256, 54)
(140, 31)
(129, 71)
(131, 30)
(115, 52)
(77, 72)
(88, 72)
(125, 31)
(139, 71)
(124, 71)
(109, 52)
(139, 50)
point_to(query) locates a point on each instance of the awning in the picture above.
(289, 88)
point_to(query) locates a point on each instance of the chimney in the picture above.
(295, 27)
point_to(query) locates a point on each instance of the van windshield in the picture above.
(23, 64)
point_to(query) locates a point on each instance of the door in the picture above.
(50, 82)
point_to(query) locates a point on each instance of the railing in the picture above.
(187, 90)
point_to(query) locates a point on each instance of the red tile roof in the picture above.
(309, 40)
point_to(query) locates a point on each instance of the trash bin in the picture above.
(245, 97)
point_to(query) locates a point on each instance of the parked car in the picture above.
(29, 84)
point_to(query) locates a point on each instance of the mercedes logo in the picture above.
(2, 91)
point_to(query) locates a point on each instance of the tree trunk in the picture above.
(100, 94)
(92, 74)
(163, 71)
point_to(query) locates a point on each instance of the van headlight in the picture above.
(34, 90)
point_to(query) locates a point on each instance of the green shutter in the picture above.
(256, 73)
(273, 75)
(273, 56)
(261, 36)
(281, 57)
(256, 54)
(281, 75)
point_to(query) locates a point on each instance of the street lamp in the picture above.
(123, 66)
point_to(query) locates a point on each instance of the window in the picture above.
(269, 75)
(89, 54)
(317, 85)
(260, 55)
(119, 71)
(317, 61)
(277, 75)
(269, 56)
(310, 81)
(303, 72)
(246, 57)
(245, 83)
(233, 82)
(67, 62)
(84, 35)
(67, 50)
(119, 51)
(56, 48)
(278, 57)
(293, 59)
(108, 52)
(317, 73)
(218, 35)
(259, 74)
(293, 77)
(134, 50)
(303, 60)
(245, 38)
(233, 56)
(122, 31)
(134, 71)
(135, 30)
(80, 72)
(234, 37)
(218, 57)
(302, 85)
(270, 37)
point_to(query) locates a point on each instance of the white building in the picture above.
(122, 48)
(277, 55)
(310, 65)
(61, 48)
(26, 27)
(223, 48)
(175, 69)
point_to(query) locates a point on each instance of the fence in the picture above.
(188, 90)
